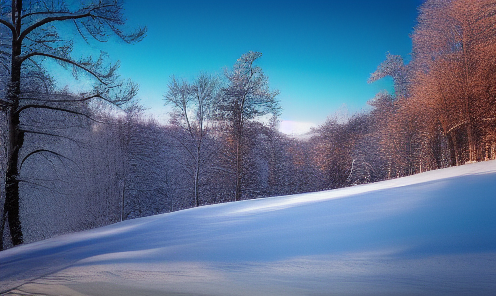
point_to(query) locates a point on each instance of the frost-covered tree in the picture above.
(453, 56)
(396, 132)
(275, 150)
(338, 156)
(147, 188)
(246, 97)
(192, 110)
(382, 114)
(77, 185)
(395, 68)
(38, 31)
(442, 111)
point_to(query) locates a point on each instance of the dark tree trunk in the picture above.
(452, 149)
(16, 136)
(11, 207)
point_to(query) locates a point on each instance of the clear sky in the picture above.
(318, 54)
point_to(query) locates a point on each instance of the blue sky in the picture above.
(318, 54)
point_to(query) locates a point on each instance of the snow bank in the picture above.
(428, 234)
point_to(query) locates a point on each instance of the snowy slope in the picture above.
(428, 234)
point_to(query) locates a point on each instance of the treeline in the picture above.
(443, 109)
(91, 164)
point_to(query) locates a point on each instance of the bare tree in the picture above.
(192, 107)
(246, 97)
(35, 31)
(453, 56)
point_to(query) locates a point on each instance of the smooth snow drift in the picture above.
(428, 234)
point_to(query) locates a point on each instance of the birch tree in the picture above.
(36, 33)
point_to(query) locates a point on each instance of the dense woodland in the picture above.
(71, 162)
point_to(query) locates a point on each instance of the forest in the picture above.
(75, 161)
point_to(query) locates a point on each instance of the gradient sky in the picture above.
(318, 54)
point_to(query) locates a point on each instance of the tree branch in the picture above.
(8, 25)
(56, 109)
(53, 19)
(45, 150)
(84, 99)
(42, 13)
(92, 73)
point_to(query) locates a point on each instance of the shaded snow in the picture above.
(428, 234)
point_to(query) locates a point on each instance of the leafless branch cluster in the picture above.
(31, 33)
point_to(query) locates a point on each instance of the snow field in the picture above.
(429, 234)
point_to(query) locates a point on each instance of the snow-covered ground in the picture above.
(428, 234)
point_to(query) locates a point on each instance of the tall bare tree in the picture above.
(192, 107)
(37, 32)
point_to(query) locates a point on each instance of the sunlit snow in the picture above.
(428, 234)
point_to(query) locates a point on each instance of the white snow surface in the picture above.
(429, 234)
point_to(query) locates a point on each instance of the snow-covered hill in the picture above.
(428, 234)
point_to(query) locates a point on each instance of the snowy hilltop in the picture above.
(429, 234)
